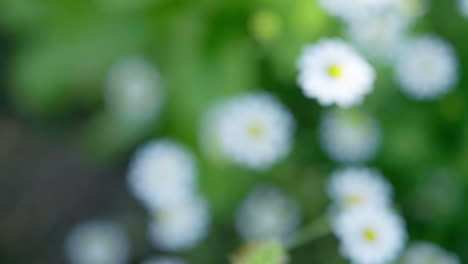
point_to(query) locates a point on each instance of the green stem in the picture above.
(314, 230)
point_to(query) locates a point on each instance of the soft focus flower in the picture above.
(134, 92)
(334, 73)
(97, 242)
(267, 213)
(379, 36)
(181, 226)
(349, 136)
(424, 252)
(254, 130)
(164, 260)
(427, 68)
(463, 7)
(359, 187)
(409, 10)
(162, 173)
(370, 235)
(352, 10)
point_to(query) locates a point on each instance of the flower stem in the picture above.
(314, 230)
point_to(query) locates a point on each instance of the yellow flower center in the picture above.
(354, 199)
(256, 130)
(335, 71)
(369, 234)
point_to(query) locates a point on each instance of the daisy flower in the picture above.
(267, 213)
(349, 136)
(164, 260)
(424, 252)
(378, 36)
(97, 242)
(181, 226)
(427, 68)
(370, 235)
(359, 187)
(352, 10)
(334, 73)
(162, 173)
(134, 91)
(254, 130)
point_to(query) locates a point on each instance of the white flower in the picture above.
(427, 68)
(463, 7)
(350, 10)
(334, 73)
(181, 226)
(379, 36)
(370, 235)
(349, 136)
(97, 242)
(409, 10)
(424, 252)
(254, 130)
(162, 173)
(134, 92)
(164, 260)
(359, 187)
(267, 213)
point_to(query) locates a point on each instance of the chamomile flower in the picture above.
(424, 252)
(359, 187)
(181, 226)
(267, 213)
(162, 173)
(378, 36)
(427, 68)
(370, 235)
(164, 260)
(334, 73)
(352, 10)
(97, 242)
(349, 136)
(463, 7)
(254, 130)
(134, 92)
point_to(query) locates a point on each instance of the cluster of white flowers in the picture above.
(134, 91)
(427, 68)
(164, 260)
(349, 136)
(425, 252)
(254, 130)
(370, 232)
(97, 242)
(267, 213)
(163, 176)
(332, 72)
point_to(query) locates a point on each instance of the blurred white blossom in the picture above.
(424, 252)
(427, 68)
(97, 242)
(354, 187)
(181, 226)
(164, 260)
(332, 72)
(267, 213)
(349, 136)
(380, 37)
(463, 4)
(254, 130)
(162, 173)
(370, 235)
(134, 92)
(352, 10)
(409, 10)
